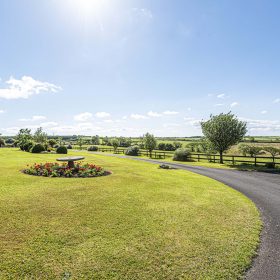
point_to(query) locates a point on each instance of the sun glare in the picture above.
(86, 8)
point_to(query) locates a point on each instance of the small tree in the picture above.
(2, 142)
(80, 142)
(150, 143)
(40, 136)
(95, 140)
(250, 150)
(23, 137)
(223, 131)
(273, 151)
(52, 142)
(115, 143)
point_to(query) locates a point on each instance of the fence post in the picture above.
(255, 161)
(232, 160)
(198, 158)
(214, 158)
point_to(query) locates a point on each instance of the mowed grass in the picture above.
(141, 222)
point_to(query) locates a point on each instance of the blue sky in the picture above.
(117, 67)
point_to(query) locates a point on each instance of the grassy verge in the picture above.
(138, 223)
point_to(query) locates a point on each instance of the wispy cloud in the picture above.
(138, 117)
(219, 105)
(33, 119)
(221, 96)
(25, 88)
(143, 13)
(2, 111)
(262, 125)
(102, 115)
(263, 112)
(83, 117)
(154, 114)
(171, 112)
(234, 104)
(277, 100)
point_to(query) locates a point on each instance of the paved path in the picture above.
(264, 190)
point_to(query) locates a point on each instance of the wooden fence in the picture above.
(215, 158)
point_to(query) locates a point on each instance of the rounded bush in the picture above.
(182, 155)
(61, 150)
(92, 149)
(69, 147)
(132, 151)
(27, 146)
(37, 148)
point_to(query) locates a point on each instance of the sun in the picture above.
(86, 8)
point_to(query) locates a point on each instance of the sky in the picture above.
(124, 68)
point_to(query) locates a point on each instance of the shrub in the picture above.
(92, 149)
(27, 146)
(161, 146)
(61, 150)
(270, 165)
(56, 146)
(132, 151)
(37, 148)
(69, 147)
(169, 147)
(182, 155)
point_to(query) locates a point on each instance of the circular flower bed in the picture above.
(50, 169)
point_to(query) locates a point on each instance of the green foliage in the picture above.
(2, 142)
(95, 140)
(37, 148)
(161, 146)
(27, 146)
(61, 150)
(223, 131)
(80, 142)
(250, 150)
(273, 151)
(150, 142)
(92, 149)
(132, 151)
(10, 141)
(182, 155)
(115, 143)
(52, 142)
(40, 136)
(69, 147)
(23, 138)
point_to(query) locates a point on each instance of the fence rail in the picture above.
(215, 158)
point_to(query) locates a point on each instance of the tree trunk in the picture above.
(221, 157)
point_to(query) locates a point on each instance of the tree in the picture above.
(40, 136)
(2, 142)
(150, 142)
(250, 150)
(95, 140)
(23, 137)
(223, 131)
(52, 142)
(80, 142)
(115, 143)
(273, 151)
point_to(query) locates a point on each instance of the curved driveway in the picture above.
(264, 190)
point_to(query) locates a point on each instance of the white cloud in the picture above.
(154, 114)
(171, 112)
(2, 111)
(277, 100)
(170, 125)
(83, 117)
(221, 96)
(234, 104)
(33, 119)
(102, 115)
(219, 105)
(262, 125)
(138, 117)
(192, 121)
(26, 87)
(143, 13)
(48, 124)
(263, 112)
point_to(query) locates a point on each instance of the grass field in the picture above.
(138, 223)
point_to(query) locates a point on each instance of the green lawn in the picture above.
(141, 222)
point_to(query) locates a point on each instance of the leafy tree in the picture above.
(40, 136)
(95, 140)
(177, 145)
(273, 151)
(23, 137)
(223, 131)
(80, 142)
(52, 142)
(115, 143)
(161, 146)
(2, 142)
(250, 150)
(150, 142)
